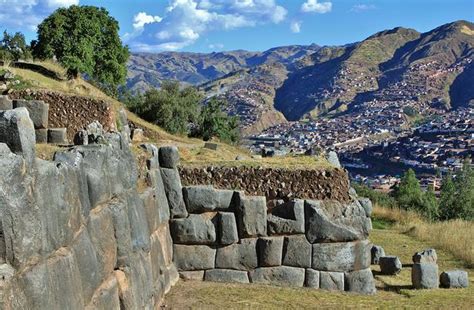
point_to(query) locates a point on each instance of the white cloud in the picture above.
(185, 21)
(295, 26)
(362, 7)
(25, 15)
(313, 6)
(142, 18)
(216, 46)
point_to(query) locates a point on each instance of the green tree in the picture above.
(14, 47)
(465, 191)
(448, 198)
(170, 107)
(85, 40)
(430, 207)
(214, 122)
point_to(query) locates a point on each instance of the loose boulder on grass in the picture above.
(424, 276)
(390, 265)
(427, 256)
(454, 279)
(376, 252)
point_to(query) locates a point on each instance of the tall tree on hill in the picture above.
(214, 122)
(85, 40)
(14, 47)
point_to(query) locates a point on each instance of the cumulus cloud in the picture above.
(25, 15)
(295, 26)
(185, 21)
(313, 6)
(362, 7)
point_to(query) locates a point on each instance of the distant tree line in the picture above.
(180, 110)
(456, 200)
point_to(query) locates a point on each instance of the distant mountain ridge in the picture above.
(398, 65)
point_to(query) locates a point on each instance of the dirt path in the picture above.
(393, 291)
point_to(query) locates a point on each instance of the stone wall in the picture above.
(320, 184)
(83, 231)
(75, 232)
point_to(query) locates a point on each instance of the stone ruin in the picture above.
(78, 232)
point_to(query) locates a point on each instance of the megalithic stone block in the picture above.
(18, 133)
(174, 192)
(41, 135)
(200, 198)
(251, 215)
(57, 135)
(169, 157)
(424, 276)
(38, 111)
(5, 103)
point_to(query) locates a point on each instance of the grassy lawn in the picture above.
(393, 291)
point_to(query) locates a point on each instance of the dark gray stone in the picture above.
(227, 228)
(376, 252)
(331, 281)
(269, 251)
(57, 135)
(174, 193)
(37, 109)
(287, 218)
(251, 216)
(192, 275)
(211, 146)
(200, 198)
(312, 278)
(138, 222)
(424, 275)
(226, 275)
(331, 221)
(297, 251)
(361, 282)
(193, 257)
(367, 205)
(342, 257)
(239, 256)
(278, 276)
(81, 138)
(169, 157)
(427, 256)
(195, 229)
(5, 103)
(224, 199)
(18, 133)
(390, 265)
(454, 279)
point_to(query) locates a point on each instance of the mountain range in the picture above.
(432, 69)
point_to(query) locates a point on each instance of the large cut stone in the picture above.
(195, 229)
(228, 233)
(297, 251)
(278, 276)
(376, 252)
(38, 111)
(224, 199)
(427, 256)
(5, 103)
(390, 265)
(226, 275)
(239, 256)
(251, 216)
(107, 296)
(169, 157)
(361, 281)
(269, 251)
(57, 135)
(312, 278)
(424, 275)
(367, 205)
(331, 221)
(331, 281)
(192, 275)
(342, 257)
(18, 132)
(200, 199)
(174, 192)
(287, 218)
(194, 257)
(41, 135)
(454, 279)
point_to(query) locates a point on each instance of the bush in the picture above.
(378, 198)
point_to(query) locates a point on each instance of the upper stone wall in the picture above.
(332, 183)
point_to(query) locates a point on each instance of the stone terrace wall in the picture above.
(72, 112)
(273, 183)
(75, 233)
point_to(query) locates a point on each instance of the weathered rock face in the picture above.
(75, 232)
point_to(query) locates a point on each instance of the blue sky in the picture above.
(214, 25)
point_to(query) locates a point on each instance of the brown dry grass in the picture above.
(456, 236)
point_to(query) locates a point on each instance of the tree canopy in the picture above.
(85, 40)
(14, 47)
(214, 122)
